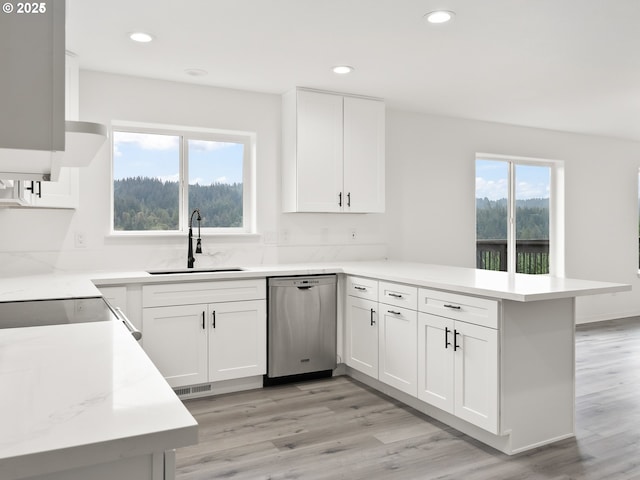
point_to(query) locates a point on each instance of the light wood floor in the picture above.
(339, 429)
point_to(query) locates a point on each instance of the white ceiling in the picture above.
(568, 65)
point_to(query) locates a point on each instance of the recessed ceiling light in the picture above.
(439, 16)
(141, 37)
(342, 69)
(196, 72)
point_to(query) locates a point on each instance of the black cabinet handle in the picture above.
(455, 340)
(340, 199)
(373, 322)
(447, 330)
(349, 199)
(455, 307)
(393, 312)
(395, 295)
(203, 325)
(362, 289)
(214, 319)
(39, 194)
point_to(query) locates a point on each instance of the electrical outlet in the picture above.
(80, 240)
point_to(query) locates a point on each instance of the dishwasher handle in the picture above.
(137, 334)
(305, 287)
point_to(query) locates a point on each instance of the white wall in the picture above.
(430, 195)
(36, 241)
(431, 198)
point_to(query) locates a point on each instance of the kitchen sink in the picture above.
(194, 270)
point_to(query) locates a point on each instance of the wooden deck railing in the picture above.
(532, 256)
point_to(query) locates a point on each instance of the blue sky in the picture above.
(151, 155)
(492, 180)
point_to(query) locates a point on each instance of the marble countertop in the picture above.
(485, 283)
(81, 394)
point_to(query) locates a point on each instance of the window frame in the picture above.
(556, 208)
(248, 139)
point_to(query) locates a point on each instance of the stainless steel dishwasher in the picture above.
(302, 326)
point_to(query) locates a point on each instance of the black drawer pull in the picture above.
(362, 289)
(373, 322)
(393, 312)
(446, 337)
(395, 295)
(456, 347)
(455, 307)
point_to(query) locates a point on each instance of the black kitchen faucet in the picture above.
(190, 257)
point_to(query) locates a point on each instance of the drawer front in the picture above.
(186, 293)
(403, 296)
(362, 288)
(479, 311)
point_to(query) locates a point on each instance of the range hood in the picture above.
(83, 140)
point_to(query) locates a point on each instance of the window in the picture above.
(160, 176)
(517, 215)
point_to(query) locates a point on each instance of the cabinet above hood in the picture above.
(38, 91)
(83, 140)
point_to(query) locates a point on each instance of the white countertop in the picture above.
(81, 394)
(485, 283)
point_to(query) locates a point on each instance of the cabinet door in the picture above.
(435, 361)
(175, 338)
(364, 155)
(398, 347)
(476, 375)
(319, 152)
(62, 193)
(362, 335)
(237, 340)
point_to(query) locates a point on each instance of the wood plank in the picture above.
(338, 428)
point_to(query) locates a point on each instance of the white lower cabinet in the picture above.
(458, 369)
(362, 335)
(237, 340)
(175, 338)
(205, 342)
(397, 348)
(445, 354)
(381, 337)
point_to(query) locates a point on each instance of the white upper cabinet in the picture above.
(32, 79)
(364, 160)
(333, 153)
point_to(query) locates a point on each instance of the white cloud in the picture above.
(209, 146)
(169, 178)
(532, 190)
(491, 189)
(221, 180)
(146, 141)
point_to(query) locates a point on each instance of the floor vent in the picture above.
(188, 391)
(182, 391)
(201, 388)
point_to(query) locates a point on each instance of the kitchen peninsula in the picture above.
(529, 375)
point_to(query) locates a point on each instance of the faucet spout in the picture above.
(190, 258)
